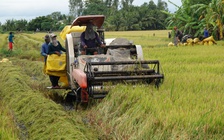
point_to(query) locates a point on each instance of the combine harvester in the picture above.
(92, 76)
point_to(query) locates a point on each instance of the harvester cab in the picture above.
(92, 76)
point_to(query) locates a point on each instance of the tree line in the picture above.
(193, 16)
(53, 22)
(121, 15)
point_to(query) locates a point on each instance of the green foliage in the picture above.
(121, 15)
(36, 24)
(43, 23)
(21, 25)
(206, 14)
(96, 7)
(75, 7)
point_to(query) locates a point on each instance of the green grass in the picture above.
(37, 116)
(26, 46)
(8, 130)
(188, 105)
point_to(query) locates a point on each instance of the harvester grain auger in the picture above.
(92, 76)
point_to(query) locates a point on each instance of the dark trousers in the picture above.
(54, 80)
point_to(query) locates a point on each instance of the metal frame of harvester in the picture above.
(90, 76)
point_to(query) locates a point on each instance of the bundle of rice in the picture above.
(196, 40)
(190, 41)
(171, 44)
(209, 41)
(5, 60)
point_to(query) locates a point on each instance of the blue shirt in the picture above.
(44, 50)
(206, 34)
(11, 38)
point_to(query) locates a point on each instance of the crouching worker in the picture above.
(54, 47)
(89, 41)
(178, 36)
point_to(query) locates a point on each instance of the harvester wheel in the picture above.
(70, 97)
(84, 96)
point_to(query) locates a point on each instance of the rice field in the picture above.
(188, 105)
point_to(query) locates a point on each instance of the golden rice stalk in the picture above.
(170, 44)
(196, 40)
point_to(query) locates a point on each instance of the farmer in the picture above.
(44, 47)
(178, 35)
(206, 33)
(10, 38)
(89, 39)
(185, 37)
(44, 51)
(54, 47)
(169, 35)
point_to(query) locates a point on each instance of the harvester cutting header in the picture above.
(117, 61)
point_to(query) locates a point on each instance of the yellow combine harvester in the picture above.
(120, 61)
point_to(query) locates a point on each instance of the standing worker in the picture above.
(178, 36)
(44, 50)
(55, 47)
(169, 35)
(10, 38)
(206, 33)
(44, 47)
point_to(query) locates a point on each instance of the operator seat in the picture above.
(76, 42)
